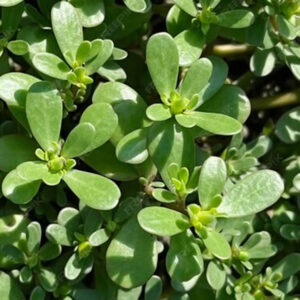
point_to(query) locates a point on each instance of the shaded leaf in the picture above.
(14, 150)
(131, 262)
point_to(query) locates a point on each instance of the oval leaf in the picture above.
(91, 12)
(212, 180)
(78, 140)
(18, 189)
(288, 126)
(93, 190)
(162, 221)
(51, 65)
(132, 148)
(211, 122)
(13, 90)
(238, 18)
(196, 78)
(67, 29)
(252, 194)
(184, 260)
(14, 150)
(130, 262)
(158, 112)
(44, 113)
(190, 44)
(163, 62)
(104, 120)
(216, 243)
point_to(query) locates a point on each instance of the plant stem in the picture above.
(232, 50)
(280, 100)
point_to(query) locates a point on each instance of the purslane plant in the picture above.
(135, 163)
(44, 114)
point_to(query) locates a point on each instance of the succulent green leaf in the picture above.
(162, 221)
(79, 140)
(170, 143)
(131, 262)
(139, 6)
(18, 47)
(196, 78)
(153, 288)
(99, 60)
(163, 62)
(211, 122)
(213, 176)
(262, 62)
(216, 243)
(8, 3)
(252, 194)
(158, 112)
(132, 148)
(32, 170)
(11, 17)
(164, 196)
(217, 78)
(177, 20)
(239, 107)
(73, 267)
(119, 54)
(104, 161)
(9, 290)
(286, 29)
(18, 189)
(190, 44)
(288, 126)
(216, 275)
(288, 266)
(49, 251)
(290, 232)
(259, 146)
(98, 237)
(59, 234)
(259, 246)
(14, 150)
(127, 103)
(184, 259)
(91, 13)
(13, 90)
(94, 190)
(48, 279)
(37, 294)
(33, 236)
(104, 120)
(188, 6)
(67, 29)
(44, 113)
(238, 18)
(51, 65)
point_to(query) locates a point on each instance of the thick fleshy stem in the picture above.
(280, 100)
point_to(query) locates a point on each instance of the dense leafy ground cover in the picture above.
(150, 150)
